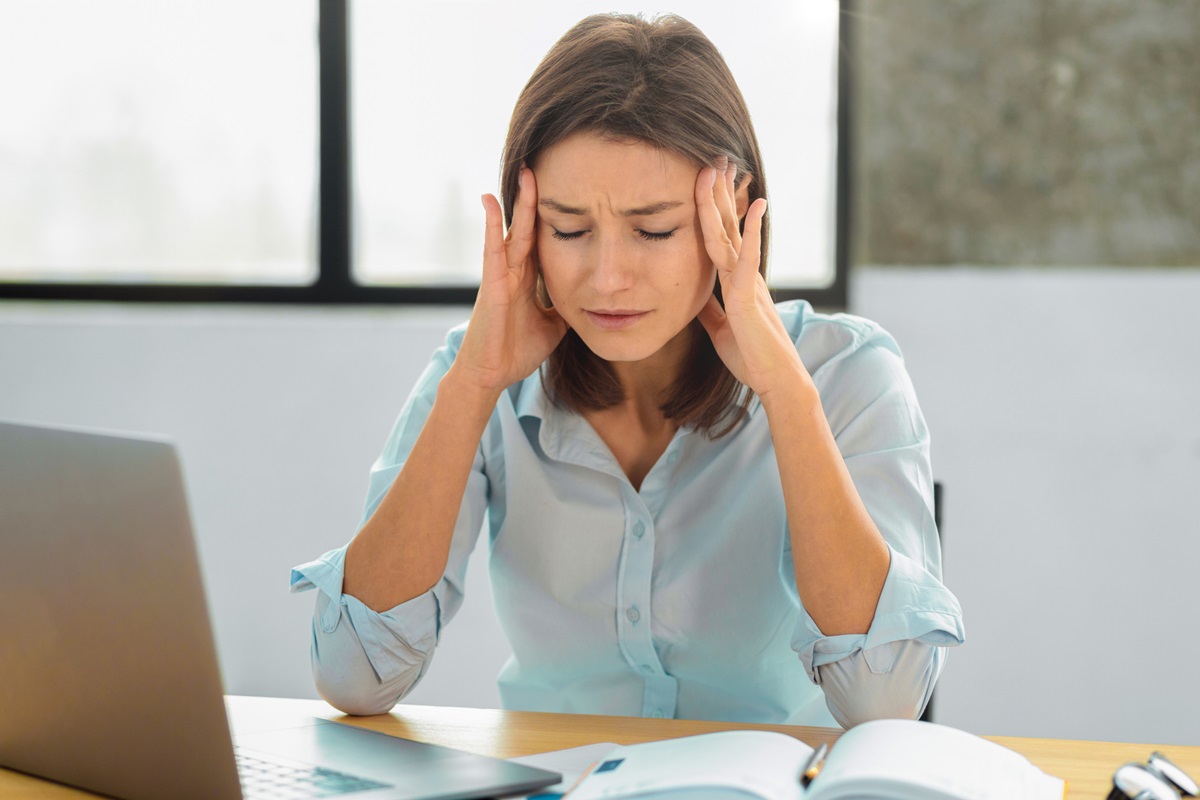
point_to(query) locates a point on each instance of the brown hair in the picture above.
(662, 82)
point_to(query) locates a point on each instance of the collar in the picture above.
(563, 435)
(566, 436)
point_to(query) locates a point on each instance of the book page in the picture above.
(908, 760)
(749, 764)
(571, 763)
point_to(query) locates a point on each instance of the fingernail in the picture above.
(712, 176)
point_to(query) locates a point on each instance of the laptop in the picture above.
(109, 678)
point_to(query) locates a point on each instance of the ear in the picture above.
(741, 195)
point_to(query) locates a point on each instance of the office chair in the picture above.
(927, 714)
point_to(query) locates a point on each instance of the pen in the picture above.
(812, 767)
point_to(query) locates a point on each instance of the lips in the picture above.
(615, 319)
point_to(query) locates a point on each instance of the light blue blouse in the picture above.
(678, 600)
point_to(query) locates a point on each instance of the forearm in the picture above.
(402, 550)
(840, 558)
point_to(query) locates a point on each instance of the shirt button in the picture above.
(671, 459)
(639, 528)
(633, 614)
(646, 668)
(657, 713)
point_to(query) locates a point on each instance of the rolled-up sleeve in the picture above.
(890, 670)
(913, 605)
(365, 661)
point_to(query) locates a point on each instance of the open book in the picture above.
(882, 760)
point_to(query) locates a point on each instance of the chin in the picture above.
(620, 347)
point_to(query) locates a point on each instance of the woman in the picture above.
(699, 504)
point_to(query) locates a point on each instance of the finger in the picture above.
(520, 234)
(750, 254)
(495, 263)
(726, 202)
(716, 237)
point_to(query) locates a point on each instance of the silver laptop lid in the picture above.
(108, 671)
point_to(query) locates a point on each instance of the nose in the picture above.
(613, 268)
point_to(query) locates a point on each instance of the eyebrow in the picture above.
(644, 211)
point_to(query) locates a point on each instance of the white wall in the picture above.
(1065, 413)
(1063, 406)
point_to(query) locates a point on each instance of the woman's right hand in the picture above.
(510, 333)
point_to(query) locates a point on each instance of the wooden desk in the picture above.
(1086, 766)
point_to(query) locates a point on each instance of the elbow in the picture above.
(346, 679)
(866, 707)
(856, 694)
(354, 700)
(352, 687)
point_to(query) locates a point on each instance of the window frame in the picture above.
(335, 284)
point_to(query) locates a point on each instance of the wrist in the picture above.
(457, 388)
(793, 390)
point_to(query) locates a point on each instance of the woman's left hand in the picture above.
(748, 334)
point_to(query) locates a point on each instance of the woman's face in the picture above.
(620, 245)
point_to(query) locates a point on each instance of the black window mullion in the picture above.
(838, 295)
(334, 259)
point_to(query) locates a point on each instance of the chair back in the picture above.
(927, 714)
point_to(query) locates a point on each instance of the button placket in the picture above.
(634, 588)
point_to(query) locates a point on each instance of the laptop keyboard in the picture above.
(277, 780)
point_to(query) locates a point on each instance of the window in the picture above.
(158, 143)
(193, 160)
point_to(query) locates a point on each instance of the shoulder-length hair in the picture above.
(662, 82)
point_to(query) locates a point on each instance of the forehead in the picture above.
(587, 162)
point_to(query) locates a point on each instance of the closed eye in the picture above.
(650, 236)
(656, 237)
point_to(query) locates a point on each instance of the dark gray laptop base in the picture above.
(108, 673)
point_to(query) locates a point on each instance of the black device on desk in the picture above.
(108, 672)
